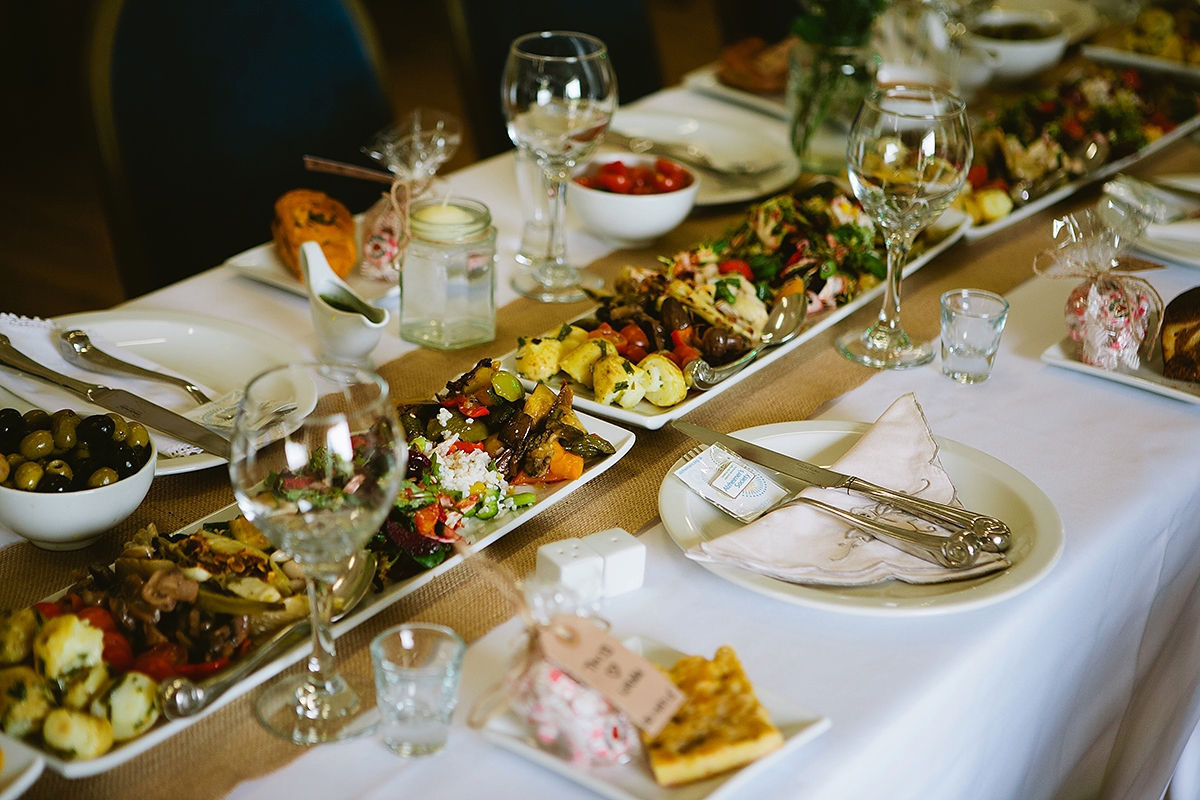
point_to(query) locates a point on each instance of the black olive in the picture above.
(12, 429)
(143, 454)
(83, 469)
(96, 430)
(418, 464)
(53, 482)
(124, 460)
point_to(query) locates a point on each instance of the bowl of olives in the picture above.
(65, 480)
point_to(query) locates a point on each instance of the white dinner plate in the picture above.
(1107, 171)
(1078, 18)
(649, 416)
(1172, 250)
(759, 141)
(705, 81)
(22, 766)
(634, 781)
(264, 265)
(984, 484)
(222, 355)
(1148, 376)
(479, 534)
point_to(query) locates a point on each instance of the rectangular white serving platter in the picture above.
(1148, 376)
(1127, 58)
(651, 417)
(479, 537)
(1107, 171)
(634, 781)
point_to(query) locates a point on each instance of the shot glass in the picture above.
(417, 670)
(972, 321)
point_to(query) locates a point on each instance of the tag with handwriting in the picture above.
(595, 658)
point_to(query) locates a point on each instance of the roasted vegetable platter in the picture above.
(477, 526)
(650, 416)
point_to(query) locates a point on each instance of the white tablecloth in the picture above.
(1092, 672)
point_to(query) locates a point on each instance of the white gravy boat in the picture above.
(348, 327)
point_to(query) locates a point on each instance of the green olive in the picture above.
(63, 413)
(37, 444)
(506, 386)
(15, 460)
(138, 436)
(36, 420)
(27, 476)
(120, 427)
(5, 469)
(63, 430)
(102, 477)
(59, 467)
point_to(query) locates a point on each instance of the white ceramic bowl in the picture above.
(630, 220)
(977, 66)
(1026, 57)
(74, 520)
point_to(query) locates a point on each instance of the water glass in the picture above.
(535, 207)
(417, 670)
(972, 321)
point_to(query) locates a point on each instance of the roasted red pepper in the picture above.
(736, 265)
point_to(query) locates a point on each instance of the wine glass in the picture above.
(317, 459)
(559, 93)
(907, 157)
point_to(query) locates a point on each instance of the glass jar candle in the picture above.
(448, 282)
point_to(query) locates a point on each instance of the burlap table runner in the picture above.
(208, 759)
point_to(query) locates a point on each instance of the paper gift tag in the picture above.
(595, 658)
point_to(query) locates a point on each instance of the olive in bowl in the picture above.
(64, 480)
(631, 200)
(1027, 42)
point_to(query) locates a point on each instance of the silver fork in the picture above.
(689, 154)
(959, 550)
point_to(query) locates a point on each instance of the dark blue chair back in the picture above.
(202, 111)
(484, 29)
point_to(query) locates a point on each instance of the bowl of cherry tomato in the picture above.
(631, 200)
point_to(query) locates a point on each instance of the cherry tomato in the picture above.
(467, 447)
(156, 667)
(684, 351)
(635, 353)
(736, 265)
(203, 669)
(117, 653)
(97, 617)
(977, 176)
(614, 182)
(620, 178)
(48, 610)
(606, 333)
(635, 336)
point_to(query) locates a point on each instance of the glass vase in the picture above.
(826, 85)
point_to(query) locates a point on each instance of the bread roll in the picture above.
(1181, 337)
(304, 215)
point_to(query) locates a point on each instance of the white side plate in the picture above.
(705, 81)
(984, 484)
(22, 766)
(1147, 377)
(634, 781)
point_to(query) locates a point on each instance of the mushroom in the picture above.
(168, 586)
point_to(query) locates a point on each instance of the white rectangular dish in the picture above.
(478, 536)
(634, 781)
(651, 417)
(1148, 376)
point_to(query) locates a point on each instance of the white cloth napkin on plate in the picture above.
(800, 544)
(38, 339)
(1185, 230)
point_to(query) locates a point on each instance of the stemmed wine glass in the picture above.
(317, 459)
(559, 93)
(908, 155)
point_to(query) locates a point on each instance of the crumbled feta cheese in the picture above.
(444, 416)
(458, 471)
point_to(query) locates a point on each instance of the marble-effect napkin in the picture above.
(800, 544)
(38, 339)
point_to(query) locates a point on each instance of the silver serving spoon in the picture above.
(1090, 154)
(78, 349)
(181, 697)
(784, 323)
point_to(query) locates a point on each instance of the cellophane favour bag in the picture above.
(1112, 313)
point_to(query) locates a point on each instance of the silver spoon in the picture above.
(784, 323)
(689, 154)
(1091, 153)
(181, 697)
(77, 348)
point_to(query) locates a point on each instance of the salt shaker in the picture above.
(448, 279)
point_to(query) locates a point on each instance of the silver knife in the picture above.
(991, 534)
(124, 403)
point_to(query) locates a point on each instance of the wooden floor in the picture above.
(55, 255)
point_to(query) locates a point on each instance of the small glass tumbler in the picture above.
(972, 321)
(417, 670)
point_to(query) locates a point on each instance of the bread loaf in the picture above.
(1181, 337)
(304, 215)
(720, 727)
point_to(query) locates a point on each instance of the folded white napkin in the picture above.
(38, 339)
(1185, 230)
(800, 544)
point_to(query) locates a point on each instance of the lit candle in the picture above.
(444, 214)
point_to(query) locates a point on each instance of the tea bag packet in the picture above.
(737, 487)
(1111, 312)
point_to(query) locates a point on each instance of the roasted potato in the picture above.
(66, 645)
(617, 382)
(25, 701)
(579, 362)
(537, 359)
(17, 629)
(129, 703)
(664, 381)
(77, 734)
(83, 685)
